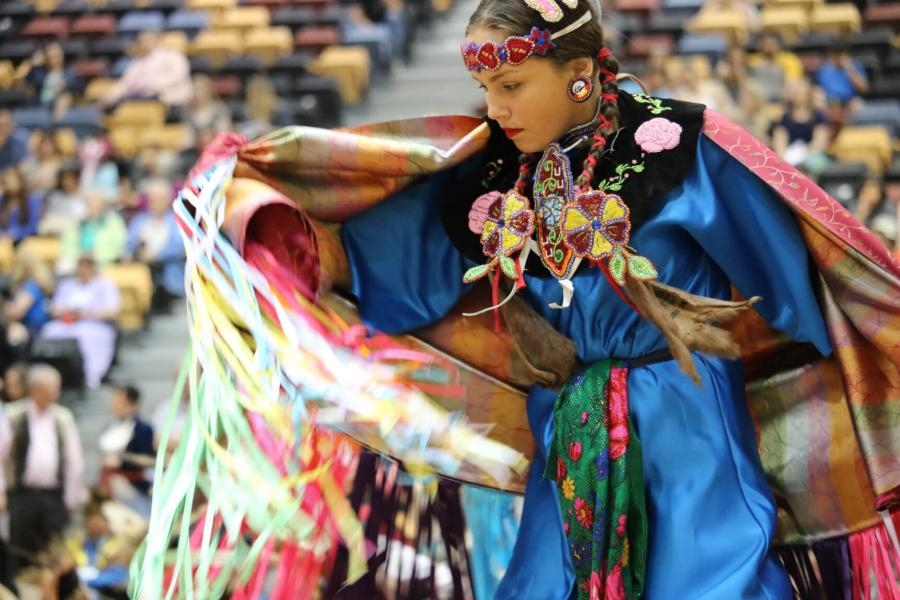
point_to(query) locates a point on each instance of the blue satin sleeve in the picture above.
(751, 235)
(406, 272)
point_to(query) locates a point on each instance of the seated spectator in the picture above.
(841, 78)
(126, 444)
(154, 239)
(41, 169)
(381, 23)
(54, 83)
(98, 169)
(13, 148)
(207, 115)
(773, 67)
(259, 106)
(14, 386)
(26, 311)
(64, 207)
(704, 90)
(753, 113)
(101, 233)
(157, 163)
(731, 70)
(84, 308)
(129, 202)
(155, 72)
(801, 137)
(19, 208)
(41, 454)
(101, 557)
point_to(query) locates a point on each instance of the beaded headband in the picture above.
(516, 49)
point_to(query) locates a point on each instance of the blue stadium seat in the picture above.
(135, 22)
(681, 7)
(71, 8)
(294, 17)
(712, 46)
(84, 121)
(878, 41)
(188, 21)
(879, 112)
(18, 49)
(112, 48)
(33, 117)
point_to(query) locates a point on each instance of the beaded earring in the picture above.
(580, 89)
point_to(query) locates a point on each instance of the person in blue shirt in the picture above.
(19, 209)
(841, 77)
(26, 311)
(13, 149)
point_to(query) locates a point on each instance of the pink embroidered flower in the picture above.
(657, 135)
(584, 514)
(596, 586)
(620, 528)
(560, 470)
(615, 588)
(584, 417)
(566, 527)
(478, 214)
(575, 451)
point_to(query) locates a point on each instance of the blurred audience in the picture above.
(154, 239)
(84, 308)
(155, 72)
(129, 202)
(840, 77)
(42, 458)
(27, 309)
(101, 556)
(41, 169)
(13, 148)
(206, 114)
(54, 83)
(15, 382)
(802, 135)
(772, 67)
(259, 107)
(64, 207)
(101, 234)
(20, 208)
(126, 444)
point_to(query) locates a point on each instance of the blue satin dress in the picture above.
(711, 513)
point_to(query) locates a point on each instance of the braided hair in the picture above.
(515, 17)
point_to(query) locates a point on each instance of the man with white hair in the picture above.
(42, 466)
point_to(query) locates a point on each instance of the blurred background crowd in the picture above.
(105, 105)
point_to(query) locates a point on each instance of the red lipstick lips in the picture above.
(511, 133)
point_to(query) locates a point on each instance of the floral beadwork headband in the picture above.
(517, 49)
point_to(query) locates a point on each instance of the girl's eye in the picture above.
(510, 86)
(481, 87)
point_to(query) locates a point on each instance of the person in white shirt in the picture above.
(43, 464)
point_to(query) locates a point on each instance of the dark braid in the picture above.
(524, 173)
(609, 116)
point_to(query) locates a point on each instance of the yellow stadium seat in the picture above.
(243, 18)
(349, 66)
(7, 74)
(45, 6)
(806, 5)
(217, 45)
(136, 289)
(172, 137)
(868, 144)
(268, 44)
(788, 21)
(137, 113)
(836, 18)
(124, 140)
(730, 23)
(176, 40)
(45, 247)
(98, 88)
(213, 7)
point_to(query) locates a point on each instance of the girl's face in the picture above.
(530, 101)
